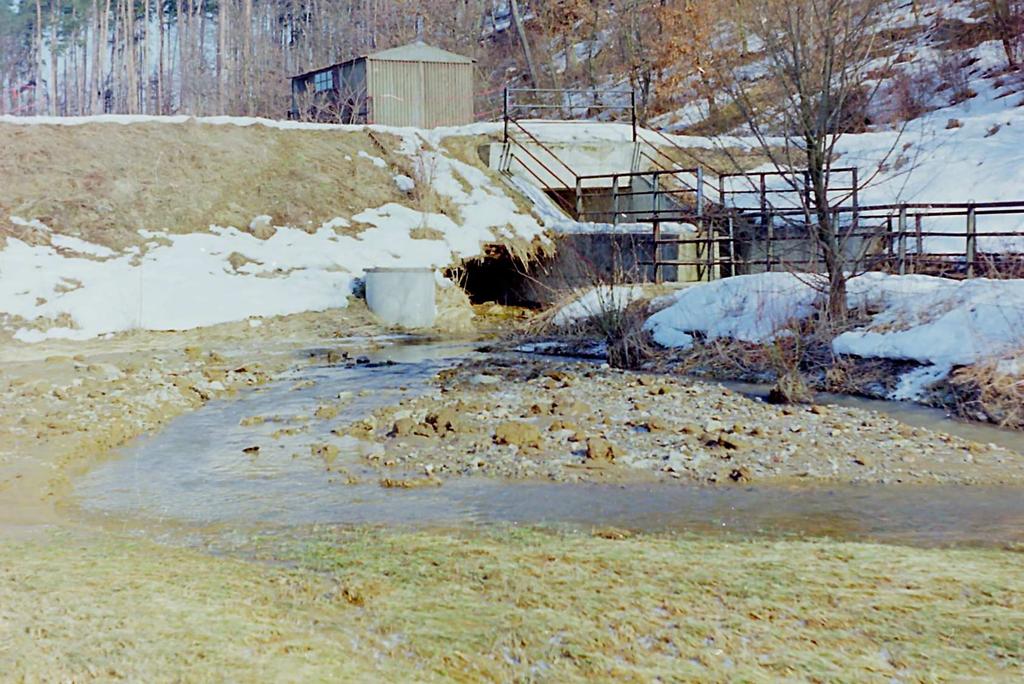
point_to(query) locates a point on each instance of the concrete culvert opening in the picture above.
(497, 277)
(579, 261)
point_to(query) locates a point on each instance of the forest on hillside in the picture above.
(204, 57)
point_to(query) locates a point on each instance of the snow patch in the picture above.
(404, 183)
(597, 301)
(936, 322)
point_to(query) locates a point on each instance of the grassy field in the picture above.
(508, 605)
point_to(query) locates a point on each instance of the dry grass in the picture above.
(988, 391)
(105, 181)
(511, 606)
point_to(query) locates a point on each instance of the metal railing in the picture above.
(887, 237)
(520, 103)
(707, 215)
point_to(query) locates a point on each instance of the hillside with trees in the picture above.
(205, 57)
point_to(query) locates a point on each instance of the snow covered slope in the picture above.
(55, 285)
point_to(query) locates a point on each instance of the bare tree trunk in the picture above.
(147, 45)
(247, 56)
(517, 19)
(183, 62)
(39, 58)
(222, 49)
(54, 43)
(160, 60)
(132, 96)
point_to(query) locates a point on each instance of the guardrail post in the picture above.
(656, 196)
(972, 239)
(657, 252)
(768, 249)
(615, 200)
(505, 115)
(732, 245)
(918, 242)
(902, 239)
(579, 197)
(855, 223)
(888, 237)
(632, 109)
(700, 191)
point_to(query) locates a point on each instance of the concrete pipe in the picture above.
(402, 296)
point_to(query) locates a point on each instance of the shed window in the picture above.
(323, 80)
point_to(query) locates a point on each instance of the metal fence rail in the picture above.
(704, 213)
(889, 237)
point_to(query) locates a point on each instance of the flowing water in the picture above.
(197, 470)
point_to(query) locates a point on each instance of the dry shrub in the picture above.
(989, 391)
(790, 388)
(454, 311)
(909, 92)
(629, 344)
(620, 328)
(955, 78)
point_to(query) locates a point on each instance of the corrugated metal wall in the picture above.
(448, 94)
(421, 94)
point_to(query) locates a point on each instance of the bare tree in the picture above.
(1008, 19)
(814, 90)
(524, 41)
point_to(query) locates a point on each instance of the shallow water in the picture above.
(196, 471)
(916, 415)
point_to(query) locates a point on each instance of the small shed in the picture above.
(412, 85)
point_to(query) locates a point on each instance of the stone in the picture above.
(739, 474)
(326, 412)
(402, 427)
(541, 409)
(713, 426)
(572, 408)
(560, 425)
(655, 424)
(518, 434)
(600, 449)
(261, 229)
(334, 356)
(328, 452)
(731, 441)
(558, 376)
(445, 420)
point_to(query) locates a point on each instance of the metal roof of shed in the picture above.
(419, 52)
(413, 52)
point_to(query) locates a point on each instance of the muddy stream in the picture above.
(197, 471)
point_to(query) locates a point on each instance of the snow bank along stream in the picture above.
(198, 472)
